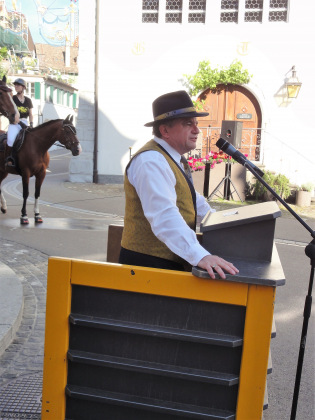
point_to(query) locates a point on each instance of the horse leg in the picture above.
(24, 218)
(38, 183)
(2, 199)
(3, 203)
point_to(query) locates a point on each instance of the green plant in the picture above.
(3, 53)
(207, 77)
(278, 182)
(3, 57)
(3, 71)
(308, 186)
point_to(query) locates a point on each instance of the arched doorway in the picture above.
(231, 102)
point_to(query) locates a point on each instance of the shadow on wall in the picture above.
(52, 111)
(115, 143)
(112, 148)
(281, 97)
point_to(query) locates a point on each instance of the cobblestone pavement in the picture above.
(21, 364)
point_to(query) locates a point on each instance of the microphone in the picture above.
(230, 150)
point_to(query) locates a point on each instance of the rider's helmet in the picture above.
(20, 82)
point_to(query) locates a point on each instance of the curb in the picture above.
(11, 306)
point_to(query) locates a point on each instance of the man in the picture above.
(25, 107)
(161, 202)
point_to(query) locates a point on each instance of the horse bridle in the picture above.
(68, 141)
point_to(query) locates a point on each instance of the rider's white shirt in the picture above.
(13, 131)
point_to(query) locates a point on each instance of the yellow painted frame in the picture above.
(63, 273)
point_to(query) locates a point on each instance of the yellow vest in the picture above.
(137, 234)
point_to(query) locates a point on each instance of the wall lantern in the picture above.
(293, 85)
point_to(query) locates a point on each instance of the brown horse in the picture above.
(7, 106)
(33, 158)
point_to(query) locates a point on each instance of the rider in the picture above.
(25, 107)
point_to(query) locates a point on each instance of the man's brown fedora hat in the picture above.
(173, 105)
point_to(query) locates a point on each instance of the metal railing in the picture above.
(251, 142)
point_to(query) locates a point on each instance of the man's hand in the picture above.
(213, 262)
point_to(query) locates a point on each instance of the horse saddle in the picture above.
(18, 141)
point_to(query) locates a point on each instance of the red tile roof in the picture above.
(55, 58)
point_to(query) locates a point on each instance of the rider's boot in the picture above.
(9, 160)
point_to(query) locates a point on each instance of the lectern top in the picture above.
(240, 216)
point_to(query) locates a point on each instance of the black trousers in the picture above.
(143, 260)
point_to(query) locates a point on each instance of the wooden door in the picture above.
(236, 103)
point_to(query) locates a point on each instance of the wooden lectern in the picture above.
(126, 342)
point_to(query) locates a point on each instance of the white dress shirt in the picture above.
(154, 181)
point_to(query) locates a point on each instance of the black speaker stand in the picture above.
(227, 180)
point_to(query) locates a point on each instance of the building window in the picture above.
(174, 10)
(30, 89)
(278, 11)
(254, 10)
(197, 11)
(150, 11)
(229, 11)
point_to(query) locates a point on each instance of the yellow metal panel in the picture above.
(257, 334)
(157, 282)
(56, 339)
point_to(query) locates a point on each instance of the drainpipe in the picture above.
(95, 168)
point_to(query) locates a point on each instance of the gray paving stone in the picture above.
(11, 305)
(23, 352)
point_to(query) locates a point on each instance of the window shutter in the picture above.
(37, 90)
(51, 94)
(74, 100)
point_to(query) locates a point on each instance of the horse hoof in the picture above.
(3, 210)
(24, 221)
(38, 219)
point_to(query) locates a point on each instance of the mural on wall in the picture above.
(58, 26)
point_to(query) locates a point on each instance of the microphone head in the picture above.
(222, 144)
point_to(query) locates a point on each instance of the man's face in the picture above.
(182, 134)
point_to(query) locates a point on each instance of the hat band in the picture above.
(176, 112)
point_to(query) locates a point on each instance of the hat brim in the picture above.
(176, 117)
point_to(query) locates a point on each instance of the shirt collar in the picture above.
(175, 155)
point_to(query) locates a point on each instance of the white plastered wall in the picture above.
(138, 62)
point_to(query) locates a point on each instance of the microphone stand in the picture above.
(310, 252)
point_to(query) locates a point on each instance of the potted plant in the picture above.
(278, 182)
(304, 195)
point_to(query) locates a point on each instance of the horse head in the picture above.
(69, 138)
(7, 106)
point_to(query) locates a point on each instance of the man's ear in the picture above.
(163, 130)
